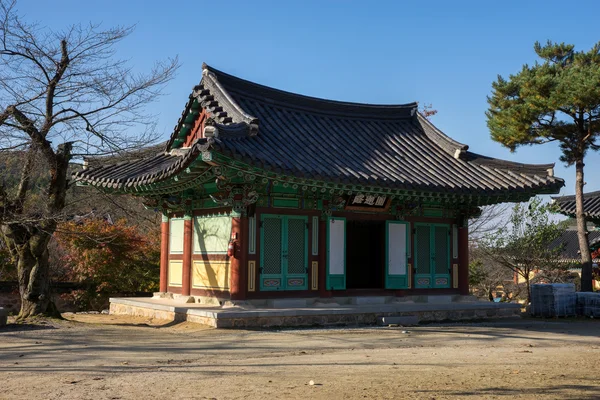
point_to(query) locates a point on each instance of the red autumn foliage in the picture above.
(108, 259)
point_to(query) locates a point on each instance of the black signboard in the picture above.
(368, 202)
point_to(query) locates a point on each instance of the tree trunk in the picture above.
(28, 238)
(33, 274)
(584, 247)
(528, 286)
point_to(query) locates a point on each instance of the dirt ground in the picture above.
(110, 357)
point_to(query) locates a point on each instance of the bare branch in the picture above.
(62, 93)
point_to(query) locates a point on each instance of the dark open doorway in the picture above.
(365, 253)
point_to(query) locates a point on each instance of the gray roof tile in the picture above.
(377, 145)
(591, 204)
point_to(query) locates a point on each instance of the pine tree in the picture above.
(555, 100)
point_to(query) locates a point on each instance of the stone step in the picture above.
(440, 299)
(287, 303)
(366, 300)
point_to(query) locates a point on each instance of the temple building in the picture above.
(591, 206)
(269, 194)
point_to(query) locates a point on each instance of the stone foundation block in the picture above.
(286, 303)
(439, 299)
(368, 300)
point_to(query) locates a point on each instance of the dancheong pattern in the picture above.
(423, 281)
(271, 282)
(441, 281)
(295, 282)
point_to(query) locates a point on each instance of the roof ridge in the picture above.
(451, 146)
(304, 101)
(221, 96)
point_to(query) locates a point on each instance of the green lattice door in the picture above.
(432, 256)
(284, 252)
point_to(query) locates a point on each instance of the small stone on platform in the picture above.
(245, 305)
(184, 299)
(162, 295)
(408, 320)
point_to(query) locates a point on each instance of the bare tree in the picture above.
(490, 220)
(63, 95)
(488, 279)
(523, 243)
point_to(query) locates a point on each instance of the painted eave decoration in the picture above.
(268, 136)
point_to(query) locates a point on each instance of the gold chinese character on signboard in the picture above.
(358, 199)
(380, 201)
(369, 200)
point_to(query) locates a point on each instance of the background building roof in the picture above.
(591, 205)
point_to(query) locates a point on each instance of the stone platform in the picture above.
(341, 311)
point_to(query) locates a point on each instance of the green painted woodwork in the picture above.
(176, 236)
(396, 279)
(314, 248)
(211, 234)
(433, 212)
(319, 204)
(336, 254)
(307, 193)
(191, 117)
(285, 203)
(252, 235)
(432, 255)
(210, 187)
(284, 252)
(284, 189)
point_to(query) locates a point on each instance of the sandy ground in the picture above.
(109, 357)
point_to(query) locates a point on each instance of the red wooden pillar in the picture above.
(323, 292)
(164, 253)
(463, 260)
(237, 268)
(187, 255)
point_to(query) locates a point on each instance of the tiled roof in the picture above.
(141, 171)
(595, 243)
(390, 146)
(591, 204)
(570, 244)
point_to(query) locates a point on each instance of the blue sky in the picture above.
(446, 53)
